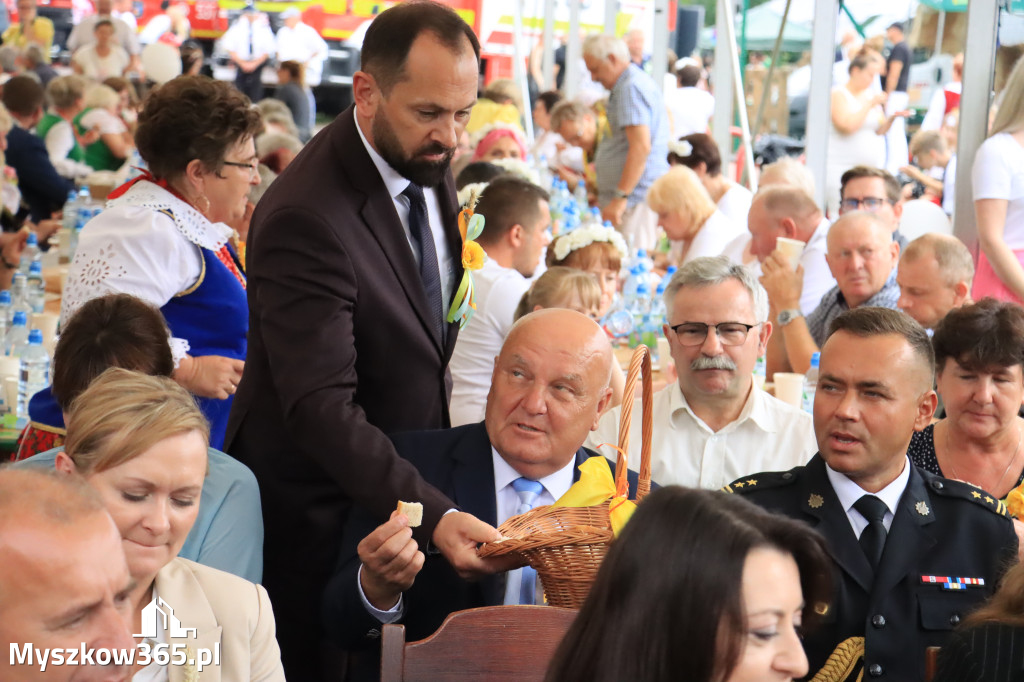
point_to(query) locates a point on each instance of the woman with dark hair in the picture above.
(732, 587)
(164, 239)
(699, 153)
(292, 90)
(989, 647)
(116, 330)
(979, 356)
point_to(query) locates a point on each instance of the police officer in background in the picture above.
(913, 553)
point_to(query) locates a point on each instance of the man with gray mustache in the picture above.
(715, 424)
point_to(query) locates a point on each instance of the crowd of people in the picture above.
(271, 336)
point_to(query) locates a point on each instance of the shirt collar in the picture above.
(393, 180)
(556, 484)
(849, 492)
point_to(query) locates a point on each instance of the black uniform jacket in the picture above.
(942, 529)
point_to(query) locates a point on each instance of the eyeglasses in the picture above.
(729, 333)
(869, 203)
(253, 166)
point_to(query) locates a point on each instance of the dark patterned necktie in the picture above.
(419, 226)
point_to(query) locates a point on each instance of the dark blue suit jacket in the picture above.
(458, 462)
(42, 188)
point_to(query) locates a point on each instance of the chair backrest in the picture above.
(490, 643)
(931, 660)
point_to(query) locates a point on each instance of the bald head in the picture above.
(863, 223)
(861, 255)
(781, 211)
(64, 581)
(548, 390)
(564, 331)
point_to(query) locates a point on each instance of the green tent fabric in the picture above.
(763, 27)
(961, 5)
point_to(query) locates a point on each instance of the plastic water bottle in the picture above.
(34, 374)
(641, 311)
(580, 195)
(5, 312)
(31, 253)
(618, 321)
(760, 372)
(19, 297)
(658, 305)
(70, 213)
(811, 384)
(35, 288)
(17, 336)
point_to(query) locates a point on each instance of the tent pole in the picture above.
(721, 77)
(740, 98)
(819, 98)
(982, 23)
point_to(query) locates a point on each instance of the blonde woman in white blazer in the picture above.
(140, 442)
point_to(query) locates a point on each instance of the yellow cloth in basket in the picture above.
(596, 485)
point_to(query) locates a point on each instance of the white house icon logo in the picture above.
(158, 615)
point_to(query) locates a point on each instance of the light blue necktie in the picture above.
(528, 492)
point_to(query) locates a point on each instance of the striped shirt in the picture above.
(635, 101)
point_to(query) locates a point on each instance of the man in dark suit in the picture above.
(353, 259)
(42, 187)
(914, 553)
(549, 386)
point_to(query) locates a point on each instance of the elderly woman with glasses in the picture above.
(164, 237)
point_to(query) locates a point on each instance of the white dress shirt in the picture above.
(849, 492)
(396, 184)
(507, 499)
(59, 141)
(769, 435)
(818, 279)
(498, 292)
(236, 38)
(304, 45)
(83, 34)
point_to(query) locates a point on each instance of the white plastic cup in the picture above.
(792, 250)
(9, 367)
(11, 393)
(789, 387)
(664, 353)
(47, 323)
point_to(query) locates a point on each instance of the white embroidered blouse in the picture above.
(134, 247)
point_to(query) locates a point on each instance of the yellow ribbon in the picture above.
(596, 485)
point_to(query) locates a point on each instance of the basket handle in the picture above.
(639, 368)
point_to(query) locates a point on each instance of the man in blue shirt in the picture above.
(636, 153)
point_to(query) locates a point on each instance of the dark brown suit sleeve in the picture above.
(306, 302)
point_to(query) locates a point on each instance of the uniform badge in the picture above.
(815, 501)
(952, 583)
(922, 508)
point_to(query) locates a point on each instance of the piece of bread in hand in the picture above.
(413, 510)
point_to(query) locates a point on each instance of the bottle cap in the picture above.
(5, 297)
(35, 336)
(35, 268)
(32, 239)
(20, 319)
(815, 359)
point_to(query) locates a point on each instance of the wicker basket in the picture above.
(566, 545)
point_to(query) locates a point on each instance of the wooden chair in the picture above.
(931, 660)
(490, 643)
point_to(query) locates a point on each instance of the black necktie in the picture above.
(419, 226)
(872, 539)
